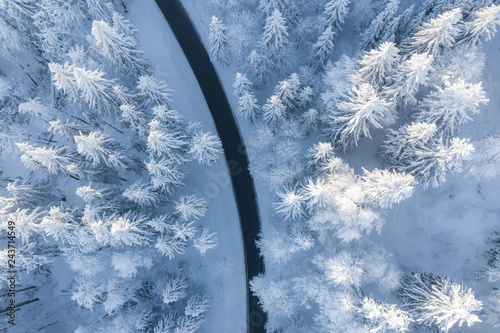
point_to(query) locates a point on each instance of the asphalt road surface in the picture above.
(234, 148)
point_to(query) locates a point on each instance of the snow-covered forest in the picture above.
(372, 131)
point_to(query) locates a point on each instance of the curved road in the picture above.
(234, 148)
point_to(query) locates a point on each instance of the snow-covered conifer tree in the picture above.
(137, 119)
(174, 288)
(141, 193)
(409, 76)
(291, 205)
(206, 241)
(163, 143)
(274, 111)
(372, 35)
(165, 175)
(190, 207)
(100, 9)
(98, 147)
(128, 229)
(248, 106)
(377, 66)
(154, 91)
(259, 67)
(335, 14)
(64, 79)
(384, 317)
(275, 39)
(484, 25)
(67, 129)
(197, 305)
(205, 147)
(437, 300)
(362, 109)
(119, 48)
(384, 188)
(219, 44)
(437, 34)
(52, 160)
(169, 245)
(323, 48)
(310, 120)
(452, 105)
(342, 269)
(241, 85)
(59, 223)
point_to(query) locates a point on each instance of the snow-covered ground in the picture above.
(222, 269)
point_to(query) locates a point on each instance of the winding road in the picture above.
(232, 143)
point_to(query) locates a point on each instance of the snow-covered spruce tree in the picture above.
(371, 37)
(365, 11)
(381, 317)
(165, 142)
(142, 193)
(437, 300)
(335, 14)
(259, 67)
(51, 161)
(408, 78)
(67, 129)
(165, 175)
(398, 27)
(274, 111)
(118, 48)
(484, 25)
(323, 48)
(377, 66)
(362, 109)
(98, 148)
(219, 44)
(291, 204)
(206, 147)
(206, 241)
(384, 188)
(438, 34)
(274, 40)
(101, 10)
(414, 149)
(135, 118)
(153, 92)
(248, 106)
(241, 85)
(452, 105)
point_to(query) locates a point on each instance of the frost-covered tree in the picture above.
(323, 48)
(484, 25)
(362, 109)
(219, 44)
(409, 76)
(414, 150)
(118, 48)
(190, 207)
(165, 175)
(241, 85)
(169, 245)
(67, 129)
(98, 148)
(128, 230)
(206, 147)
(100, 9)
(197, 305)
(291, 205)
(438, 34)
(275, 39)
(365, 11)
(174, 288)
(275, 297)
(398, 28)
(452, 105)
(52, 160)
(342, 269)
(166, 143)
(384, 188)
(259, 66)
(378, 65)
(383, 317)
(94, 89)
(127, 263)
(26, 221)
(154, 91)
(135, 118)
(59, 223)
(248, 106)
(372, 35)
(310, 120)
(206, 241)
(141, 193)
(274, 111)
(335, 14)
(64, 79)
(437, 300)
